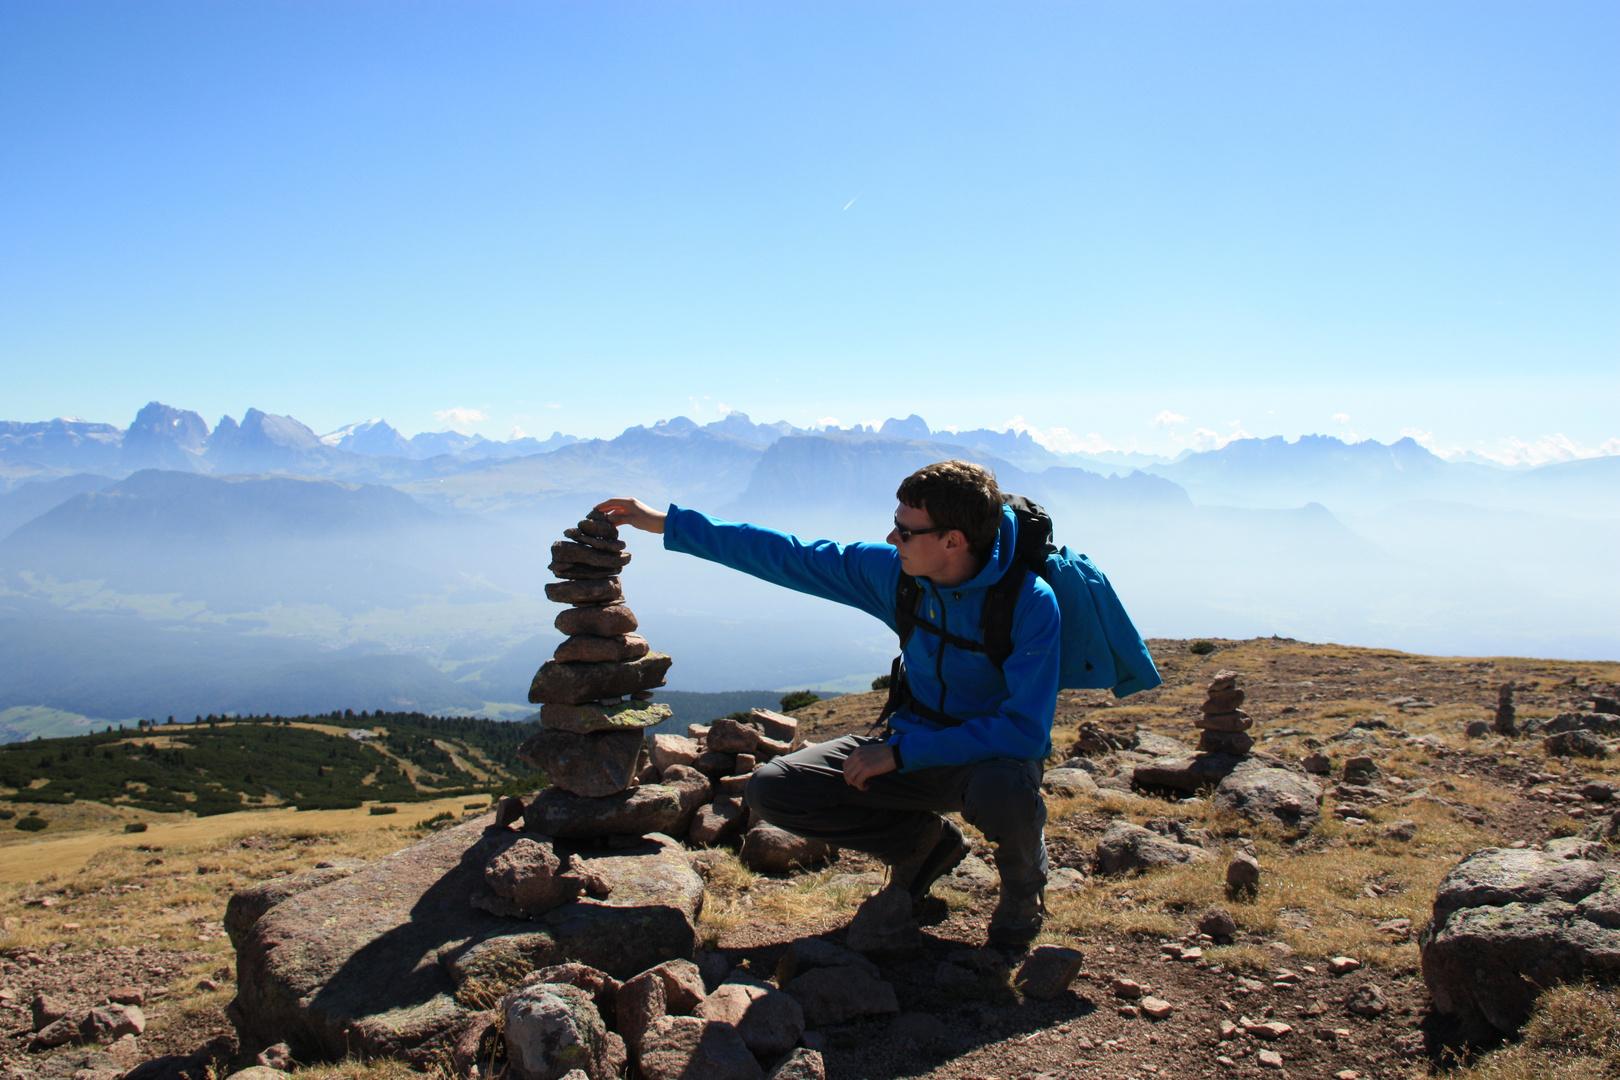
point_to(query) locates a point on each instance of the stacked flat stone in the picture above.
(1223, 726)
(594, 693)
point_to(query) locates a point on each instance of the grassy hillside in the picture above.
(219, 765)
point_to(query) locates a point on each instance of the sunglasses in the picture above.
(906, 534)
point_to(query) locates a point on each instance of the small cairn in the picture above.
(1505, 720)
(1223, 726)
(595, 692)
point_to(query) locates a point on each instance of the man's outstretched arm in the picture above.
(633, 512)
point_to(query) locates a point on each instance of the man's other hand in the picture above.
(633, 512)
(867, 762)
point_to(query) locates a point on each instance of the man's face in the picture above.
(923, 554)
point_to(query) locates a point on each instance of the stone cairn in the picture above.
(1223, 726)
(594, 693)
(607, 778)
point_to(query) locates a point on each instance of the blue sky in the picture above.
(1138, 224)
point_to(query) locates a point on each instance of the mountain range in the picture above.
(256, 566)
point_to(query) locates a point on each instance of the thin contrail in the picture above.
(850, 203)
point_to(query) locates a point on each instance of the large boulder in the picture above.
(370, 964)
(1509, 923)
(1288, 798)
(594, 765)
(552, 1029)
(665, 807)
(1125, 848)
(1185, 772)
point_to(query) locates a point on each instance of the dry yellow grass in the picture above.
(30, 857)
(1574, 1034)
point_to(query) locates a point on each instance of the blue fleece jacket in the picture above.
(1007, 711)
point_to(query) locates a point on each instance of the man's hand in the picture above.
(633, 512)
(867, 762)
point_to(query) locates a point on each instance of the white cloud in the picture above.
(1341, 418)
(553, 405)
(517, 433)
(1060, 440)
(824, 423)
(460, 417)
(1166, 418)
(1516, 451)
(724, 410)
(1205, 439)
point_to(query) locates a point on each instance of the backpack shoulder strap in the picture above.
(907, 597)
(1001, 599)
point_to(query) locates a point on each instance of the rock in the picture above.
(666, 808)
(57, 1033)
(1477, 729)
(1269, 1059)
(594, 592)
(1224, 680)
(47, 1010)
(728, 736)
(639, 1006)
(591, 649)
(1232, 722)
(1222, 701)
(571, 684)
(1600, 791)
(834, 995)
(1243, 873)
(127, 995)
(590, 765)
(777, 726)
(1509, 923)
(528, 875)
(1129, 989)
(683, 985)
(769, 1021)
(246, 907)
(1225, 742)
(572, 571)
(627, 717)
(1126, 848)
(714, 764)
(567, 551)
(1157, 1008)
(598, 524)
(883, 924)
(770, 850)
(1103, 736)
(1218, 923)
(108, 1022)
(1048, 971)
(1366, 1001)
(686, 1048)
(370, 964)
(551, 1029)
(1403, 831)
(1317, 764)
(597, 542)
(257, 1072)
(1068, 782)
(667, 750)
(278, 1057)
(1343, 965)
(717, 821)
(1270, 1030)
(603, 988)
(1185, 773)
(1600, 723)
(803, 954)
(602, 620)
(507, 811)
(1360, 770)
(1269, 794)
(800, 1064)
(1578, 743)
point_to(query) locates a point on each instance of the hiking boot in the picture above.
(1017, 919)
(938, 851)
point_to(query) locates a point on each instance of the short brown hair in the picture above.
(957, 495)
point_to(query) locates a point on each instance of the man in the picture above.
(969, 736)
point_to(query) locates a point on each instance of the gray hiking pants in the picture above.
(804, 793)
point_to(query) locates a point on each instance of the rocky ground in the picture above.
(1274, 998)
